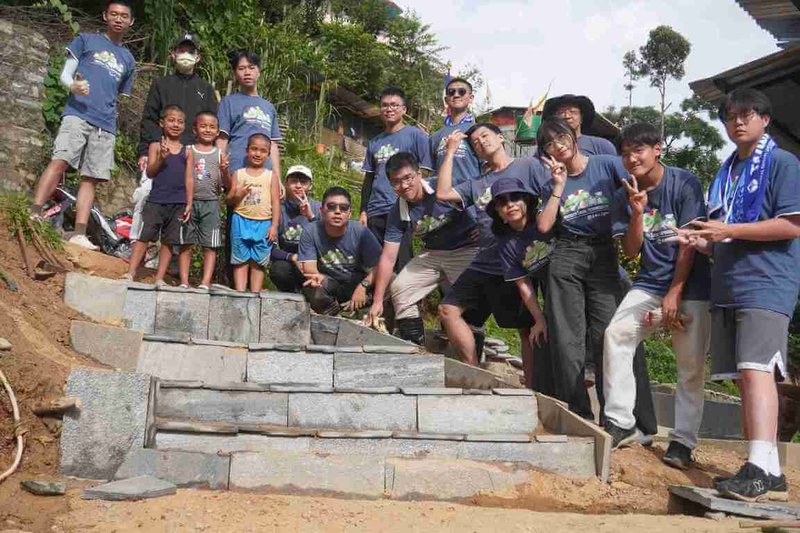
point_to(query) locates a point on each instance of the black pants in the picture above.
(326, 300)
(377, 225)
(286, 276)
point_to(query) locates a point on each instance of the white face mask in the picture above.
(185, 61)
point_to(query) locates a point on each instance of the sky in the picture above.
(519, 46)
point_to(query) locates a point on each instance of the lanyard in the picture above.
(728, 196)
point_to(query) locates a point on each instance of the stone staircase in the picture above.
(223, 390)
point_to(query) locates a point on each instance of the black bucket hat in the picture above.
(581, 102)
(506, 186)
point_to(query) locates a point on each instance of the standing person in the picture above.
(754, 211)
(98, 69)
(183, 88)
(377, 196)
(578, 112)
(671, 282)
(458, 97)
(448, 245)
(298, 210)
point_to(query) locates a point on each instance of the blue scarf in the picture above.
(448, 120)
(740, 201)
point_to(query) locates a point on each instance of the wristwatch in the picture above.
(364, 283)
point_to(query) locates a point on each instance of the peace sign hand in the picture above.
(164, 148)
(637, 198)
(558, 170)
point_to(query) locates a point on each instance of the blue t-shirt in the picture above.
(347, 258)
(439, 225)
(109, 70)
(169, 184)
(591, 145)
(241, 116)
(763, 275)
(524, 253)
(477, 192)
(380, 149)
(675, 202)
(466, 164)
(292, 224)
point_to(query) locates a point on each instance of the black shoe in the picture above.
(620, 437)
(750, 484)
(778, 490)
(678, 456)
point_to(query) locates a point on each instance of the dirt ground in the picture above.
(36, 322)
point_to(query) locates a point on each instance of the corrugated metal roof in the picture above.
(781, 18)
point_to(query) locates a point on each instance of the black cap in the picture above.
(581, 102)
(187, 38)
(506, 186)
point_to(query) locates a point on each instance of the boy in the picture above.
(97, 69)
(458, 97)
(671, 279)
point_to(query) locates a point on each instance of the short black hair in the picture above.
(394, 91)
(336, 191)
(550, 129)
(401, 160)
(743, 101)
(126, 3)
(172, 107)
(237, 55)
(459, 80)
(501, 228)
(639, 134)
(488, 125)
(205, 114)
(258, 136)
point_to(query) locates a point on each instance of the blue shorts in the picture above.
(249, 241)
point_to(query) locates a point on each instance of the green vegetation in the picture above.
(15, 211)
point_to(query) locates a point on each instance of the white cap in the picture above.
(300, 169)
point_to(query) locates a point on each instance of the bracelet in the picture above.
(555, 196)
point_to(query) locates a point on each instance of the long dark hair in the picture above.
(501, 228)
(552, 128)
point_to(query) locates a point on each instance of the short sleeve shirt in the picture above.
(591, 145)
(675, 202)
(241, 116)
(109, 69)
(380, 149)
(466, 164)
(347, 258)
(292, 224)
(763, 275)
(524, 253)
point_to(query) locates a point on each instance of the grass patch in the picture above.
(15, 210)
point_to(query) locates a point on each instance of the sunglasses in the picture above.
(459, 90)
(335, 207)
(509, 198)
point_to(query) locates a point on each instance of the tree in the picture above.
(632, 73)
(662, 58)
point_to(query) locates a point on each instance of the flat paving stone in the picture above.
(276, 431)
(476, 392)
(185, 312)
(300, 387)
(352, 333)
(513, 392)
(324, 329)
(499, 437)
(321, 348)
(225, 444)
(285, 318)
(710, 499)
(574, 458)
(368, 390)
(81, 293)
(224, 344)
(396, 348)
(193, 362)
(174, 337)
(353, 411)
(283, 367)
(233, 319)
(136, 488)
(184, 469)
(180, 384)
(401, 370)
(476, 414)
(44, 488)
(223, 406)
(139, 311)
(551, 438)
(373, 434)
(237, 386)
(427, 436)
(190, 426)
(437, 391)
(110, 345)
(275, 347)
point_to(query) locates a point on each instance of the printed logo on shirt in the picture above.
(484, 199)
(537, 255)
(108, 61)
(463, 149)
(428, 224)
(336, 259)
(256, 115)
(293, 233)
(583, 204)
(657, 226)
(253, 197)
(200, 170)
(384, 153)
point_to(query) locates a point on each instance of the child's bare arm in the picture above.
(154, 159)
(189, 179)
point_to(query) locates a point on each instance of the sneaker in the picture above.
(645, 440)
(203, 287)
(83, 241)
(678, 456)
(778, 490)
(183, 286)
(750, 484)
(160, 283)
(621, 438)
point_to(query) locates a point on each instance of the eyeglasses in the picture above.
(392, 105)
(404, 180)
(744, 118)
(335, 207)
(506, 199)
(562, 140)
(571, 111)
(461, 91)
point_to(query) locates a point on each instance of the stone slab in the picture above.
(116, 347)
(324, 329)
(721, 420)
(353, 411)
(193, 362)
(224, 344)
(192, 426)
(427, 436)
(387, 447)
(277, 431)
(98, 298)
(300, 387)
(111, 422)
(476, 414)
(397, 348)
(400, 370)
(307, 473)
(710, 499)
(284, 320)
(283, 367)
(352, 333)
(237, 386)
(174, 337)
(223, 406)
(458, 374)
(436, 391)
(183, 312)
(139, 311)
(281, 296)
(321, 348)
(44, 488)
(183, 469)
(574, 458)
(512, 392)
(551, 438)
(180, 384)
(373, 434)
(275, 347)
(499, 437)
(136, 488)
(225, 444)
(369, 390)
(233, 319)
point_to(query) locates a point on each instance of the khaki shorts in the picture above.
(85, 148)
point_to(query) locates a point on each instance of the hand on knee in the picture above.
(449, 312)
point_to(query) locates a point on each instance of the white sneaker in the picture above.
(83, 241)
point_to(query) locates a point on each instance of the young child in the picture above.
(254, 194)
(166, 211)
(206, 168)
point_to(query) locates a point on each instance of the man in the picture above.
(337, 256)
(447, 245)
(578, 112)
(377, 196)
(754, 211)
(98, 69)
(671, 283)
(458, 97)
(183, 88)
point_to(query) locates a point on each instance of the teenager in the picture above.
(458, 96)
(578, 112)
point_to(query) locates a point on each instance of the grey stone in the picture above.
(135, 488)
(184, 469)
(110, 345)
(369, 390)
(231, 293)
(458, 374)
(175, 337)
(183, 312)
(193, 362)
(181, 290)
(222, 428)
(427, 436)
(574, 458)
(349, 349)
(437, 391)
(281, 296)
(275, 431)
(476, 414)
(361, 476)
(4, 345)
(233, 319)
(551, 438)
(283, 367)
(377, 370)
(284, 320)
(494, 342)
(476, 392)
(98, 298)
(321, 348)
(225, 444)
(223, 406)
(513, 392)
(110, 423)
(393, 349)
(224, 344)
(139, 312)
(710, 499)
(275, 347)
(369, 434)
(300, 387)
(324, 329)
(387, 447)
(353, 411)
(499, 437)
(139, 286)
(721, 420)
(237, 386)
(179, 384)
(44, 488)
(354, 334)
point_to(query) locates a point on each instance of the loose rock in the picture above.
(44, 488)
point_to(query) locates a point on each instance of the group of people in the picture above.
(532, 241)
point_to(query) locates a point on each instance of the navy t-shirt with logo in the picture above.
(241, 116)
(675, 202)
(477, 192)
(439, 225)
(347, 258)
(524, 253)
(466, 164)
(109, 70)
(292, 224)
(591, 145)
(763, 275)
(380, 149)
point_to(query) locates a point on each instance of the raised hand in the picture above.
(164, 148)
(454, 141)
(224, 161)
(558, 170)
(636, 198)
(305, 207)
(142, 163)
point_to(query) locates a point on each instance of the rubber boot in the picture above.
(411, 329)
